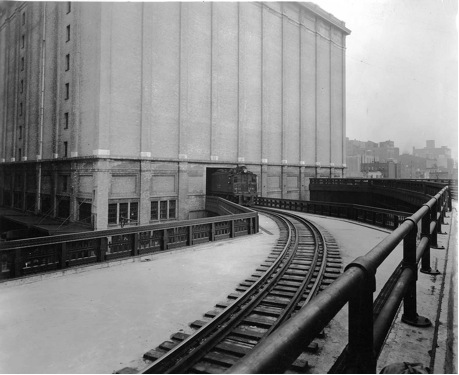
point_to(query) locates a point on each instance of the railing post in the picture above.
(165, 239)
(212, 232)
(63, 260)
(190, 235)
(135, 244)
(410, 315)
(103, 246)
(425, 232)
(434, 218)
(17, 263)
(360, 355)
(395, 221)
(232, 234)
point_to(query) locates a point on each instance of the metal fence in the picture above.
(356, 287)
(35, 255)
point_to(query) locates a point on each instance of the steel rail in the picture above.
(318, 240)
(163, 364)
(280, 349)
(190, 357)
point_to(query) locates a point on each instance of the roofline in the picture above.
(328, 17)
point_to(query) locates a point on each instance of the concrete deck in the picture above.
(101, 318)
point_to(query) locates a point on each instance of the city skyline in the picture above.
(401, 70)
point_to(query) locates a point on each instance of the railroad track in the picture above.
(304, 261)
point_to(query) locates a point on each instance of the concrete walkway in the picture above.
(102, 318)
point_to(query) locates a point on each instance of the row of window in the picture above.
(128, 212)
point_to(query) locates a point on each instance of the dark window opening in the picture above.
(67, 62)
(123, 213)
(84, 213)
(67, 91)
(22, 86)
(163, 210)
(112, 208)
(134, 211)
(22, 63)
(66, 120)
(154, 210)
(69, 7)
(20, 132)
(65, 149)
(172, 209)
(22, 41)
(63, 208)
(23, 18)
(68, 33)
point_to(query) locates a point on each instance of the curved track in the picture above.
(303, 262)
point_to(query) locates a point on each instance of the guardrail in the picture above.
(24, 257)
(366, 214)
(356, 286)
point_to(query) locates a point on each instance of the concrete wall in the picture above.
(161, 91)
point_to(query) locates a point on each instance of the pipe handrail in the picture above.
(281, 348)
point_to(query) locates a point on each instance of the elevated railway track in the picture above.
(304, 261)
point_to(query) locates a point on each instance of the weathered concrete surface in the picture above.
(436, 346)
(99, 320)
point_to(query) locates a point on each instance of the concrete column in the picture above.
(264, 181)
(303, 192)
(183, 82)
(145, 181)
(182, 190)
(102, 128)
(101, 188)
(73, 190)
(147, 94)
(284, 185)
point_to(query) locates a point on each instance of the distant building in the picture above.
(413, 166)
(438, 159)
(389, 169)
(353, 166)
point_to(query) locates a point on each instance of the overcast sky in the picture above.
(401, 70)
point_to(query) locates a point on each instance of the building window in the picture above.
(123, 213)
(22, 41)
(22, 86)
(19, 154)
(22, 63)
(172, 209)
(112, 210)
(64, 183)
(163, 210)
(65, 149)
(67, 91)
(154, 210)
(84, 212)
(20, 132)
(68, 33)
(20, 109)
(134, 211)
(67, 62)
(69, 7)
(66, 120)
(23, 18)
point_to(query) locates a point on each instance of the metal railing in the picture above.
(24, 257)
(356, 285)
(366, 214)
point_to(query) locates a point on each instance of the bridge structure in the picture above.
(415, 212)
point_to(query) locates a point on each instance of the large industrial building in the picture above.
(119, 111)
